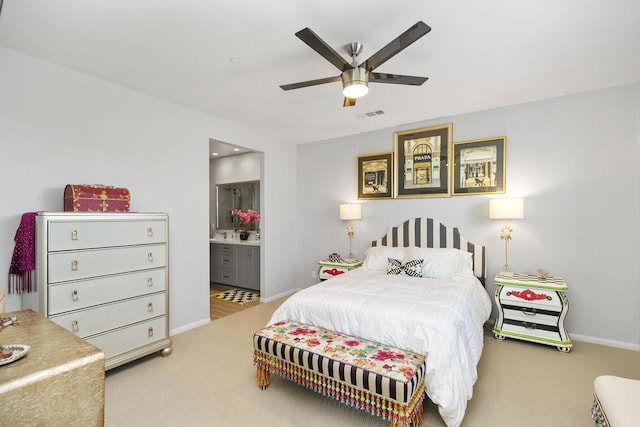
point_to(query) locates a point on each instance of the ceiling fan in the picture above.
(355, 78)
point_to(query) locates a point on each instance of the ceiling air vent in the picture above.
(374, 113)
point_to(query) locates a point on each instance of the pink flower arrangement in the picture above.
(250, 216)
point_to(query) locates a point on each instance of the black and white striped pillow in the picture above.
(412, 268)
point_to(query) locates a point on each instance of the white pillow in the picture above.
(442, 263)
(376, 257)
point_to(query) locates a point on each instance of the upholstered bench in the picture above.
(616, 402)
(382, 380)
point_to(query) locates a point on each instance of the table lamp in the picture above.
(506, 208)
(349, 212)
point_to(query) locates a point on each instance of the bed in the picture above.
(439, 315)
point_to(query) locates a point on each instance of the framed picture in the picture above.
(422, 162)
(479, 166)
(375, 176)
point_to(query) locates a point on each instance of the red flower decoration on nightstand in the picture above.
(333, 271)
(528, 295)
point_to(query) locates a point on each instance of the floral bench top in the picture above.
(380, 359)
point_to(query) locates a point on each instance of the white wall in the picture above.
(238, 168)
(58, 126)
(575, 161)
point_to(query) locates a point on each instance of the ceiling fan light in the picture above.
(355, 83)
(356, 90)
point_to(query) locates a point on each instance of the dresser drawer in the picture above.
(226, 276)
(135, 336)
(74, 265)
(103, 318)
(224, 247)
(531, 315)
(533, 298)
(81, 294)
(102, 234)
(532, 329)
(227, 259)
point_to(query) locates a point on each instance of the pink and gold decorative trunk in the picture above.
(96, 198)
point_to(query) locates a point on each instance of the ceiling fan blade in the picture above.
(397, 79)
(396, 45)
(326, 51)
(348, 102)
(311, 83)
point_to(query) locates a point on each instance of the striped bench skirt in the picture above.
(382, 380)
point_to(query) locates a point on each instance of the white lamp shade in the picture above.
(506, 208)
(349, 211)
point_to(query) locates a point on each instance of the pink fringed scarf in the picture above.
(23, 262)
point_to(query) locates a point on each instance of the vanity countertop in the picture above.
(231, 241)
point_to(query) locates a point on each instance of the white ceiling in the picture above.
(478, 55)
(218, 149)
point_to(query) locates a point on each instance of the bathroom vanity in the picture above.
(236, 262)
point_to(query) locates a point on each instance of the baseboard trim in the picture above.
(602, 341)
(280, 295)
(203, 322)
(190, 326)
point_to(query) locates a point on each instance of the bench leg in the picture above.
(263, 376)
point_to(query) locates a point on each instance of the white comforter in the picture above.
(440, 319)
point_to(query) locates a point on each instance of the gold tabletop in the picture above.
(60, 380)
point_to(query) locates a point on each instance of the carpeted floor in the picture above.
(209, 380)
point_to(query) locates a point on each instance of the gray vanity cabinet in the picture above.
(236, 265)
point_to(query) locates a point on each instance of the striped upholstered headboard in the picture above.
(428, 233)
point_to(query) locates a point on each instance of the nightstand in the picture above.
(533, 309)
(329, 269)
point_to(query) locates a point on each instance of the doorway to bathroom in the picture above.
(235, 198)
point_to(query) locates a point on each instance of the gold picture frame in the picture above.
(422, 162)
(480, 166)
(375, 176)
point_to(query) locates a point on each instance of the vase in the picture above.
(244, 235)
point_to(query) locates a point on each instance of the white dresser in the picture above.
(104, 277)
